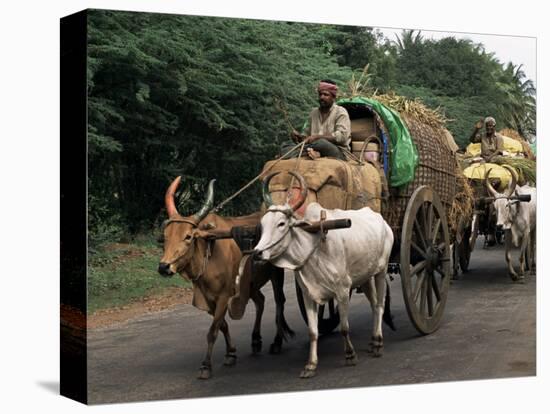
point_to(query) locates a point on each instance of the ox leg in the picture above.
(533, 251)
(376, 293)
(343, 309)
(522, 250)
(219, 314)
(508, 256)
(283, 330)
(311, 310)
(259, 299)
(230, 349)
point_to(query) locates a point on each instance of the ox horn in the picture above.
(303, 191)
(265, 190)
(489, 186)
(208, 203)
(169, 197)
(511, 185)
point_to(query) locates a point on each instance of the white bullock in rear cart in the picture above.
(327, 266)
(516, 212)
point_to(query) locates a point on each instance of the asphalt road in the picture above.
(488, 332)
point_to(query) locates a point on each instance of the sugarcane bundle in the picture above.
(526, 168)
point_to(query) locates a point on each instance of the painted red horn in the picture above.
(169, 197)
(303, 191)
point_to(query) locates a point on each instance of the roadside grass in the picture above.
(120, 273)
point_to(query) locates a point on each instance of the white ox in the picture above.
(518, 219)
(328, 269)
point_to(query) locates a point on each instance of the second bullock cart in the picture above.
(405, 169)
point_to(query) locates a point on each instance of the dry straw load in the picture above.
(511, 133)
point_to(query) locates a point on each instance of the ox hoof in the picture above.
(375, 351)
(520, 280)
(230, 360)
(204, 373)
(376, 347)
(308, 373)
(256, 347)
(275, 348)
(351, 360)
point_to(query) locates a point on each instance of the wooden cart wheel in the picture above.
(425, 260)
(326, 323)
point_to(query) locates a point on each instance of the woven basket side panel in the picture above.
(436, 168)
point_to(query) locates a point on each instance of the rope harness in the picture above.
(231, 197)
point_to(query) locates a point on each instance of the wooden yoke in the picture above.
(313, 227)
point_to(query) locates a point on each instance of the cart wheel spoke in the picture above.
(418, 286)
(420, 233)
(429, 295)
(429, 220)
(418, 249)
(435, 288)
(435, 233)
(418, 267)
(423, 297)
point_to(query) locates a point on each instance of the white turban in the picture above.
(490, 119)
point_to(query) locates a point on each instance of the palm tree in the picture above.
(517, 100)
(408, 40)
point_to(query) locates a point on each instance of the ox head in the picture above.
(278, 220)
(505, 204)
(180, 233)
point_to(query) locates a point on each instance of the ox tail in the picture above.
(387, 317)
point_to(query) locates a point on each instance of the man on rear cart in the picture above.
(492, 144)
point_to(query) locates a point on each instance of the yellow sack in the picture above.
(510, 145)
(478, 170)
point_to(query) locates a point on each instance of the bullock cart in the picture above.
(484, 180)
(418, 210)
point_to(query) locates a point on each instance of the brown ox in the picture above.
(212, 267)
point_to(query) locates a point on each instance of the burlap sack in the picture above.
(332, 183)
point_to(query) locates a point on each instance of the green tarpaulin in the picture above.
(403, 155)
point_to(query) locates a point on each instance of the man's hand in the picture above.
(296, 136)
(479, 124)
(311, 138)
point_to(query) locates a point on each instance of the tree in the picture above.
(194, 96)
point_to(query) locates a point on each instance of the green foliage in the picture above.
(357, 47)
(463, 113)
(184, 95)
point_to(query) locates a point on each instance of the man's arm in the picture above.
(475, 138)
(342, 130)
